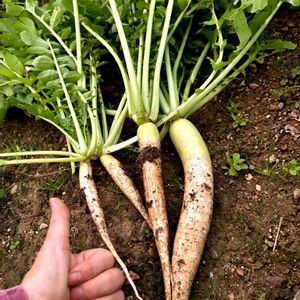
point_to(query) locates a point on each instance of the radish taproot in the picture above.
(124, 182)
(197, 206)
(150, 158)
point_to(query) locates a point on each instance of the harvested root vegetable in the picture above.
(87, 184)
(196, 213)
(125, 183)
(150, 157)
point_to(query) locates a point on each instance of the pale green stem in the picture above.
(44, 152)
(134, 95)
(195, 72)
(164, 105)
(83, 146)
(180, 52)
(119, 146)
(162, 45)
(115, 133)
(172, 88)
(114, 55)
(146, 60)
(94, 89)
(179, 19)
(81, 81)
(73, 142)
(42, 160)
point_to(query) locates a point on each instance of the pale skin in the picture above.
(61, 275)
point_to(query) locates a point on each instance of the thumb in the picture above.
(59, 228)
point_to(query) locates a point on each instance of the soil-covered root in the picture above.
(87, 184)
(196, 212)
(150, 157)
(125, 183)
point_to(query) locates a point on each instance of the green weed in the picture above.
(235, 164)
(14, 245)
(233, 110)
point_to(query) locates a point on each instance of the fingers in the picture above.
(89, 264)
(119, 295)
(58, 232)
(105, 284)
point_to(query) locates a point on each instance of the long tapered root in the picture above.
(150, 157)
(125, 183)
(88, 186)
(195, 217)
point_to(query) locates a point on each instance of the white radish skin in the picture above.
(87, 184)
(149, 143)
(125, 183)
(197, 206)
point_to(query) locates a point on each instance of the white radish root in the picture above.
(87, 184)
(196, 212)
(150, 157)
(125, 183)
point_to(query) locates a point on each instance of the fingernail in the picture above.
(74, 277)
(76, 293)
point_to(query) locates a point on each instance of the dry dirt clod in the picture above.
(275, 281)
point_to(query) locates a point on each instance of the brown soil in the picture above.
(239, 261)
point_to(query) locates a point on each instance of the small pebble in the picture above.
(240, 271)
(248, 177)
(231, 296)
(43, 226)
(272, 159)
(253, 85)
(14, 188)
(258, 187)
(296, 194)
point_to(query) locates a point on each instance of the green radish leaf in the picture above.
(294, 2)
(48, 75)
(12, 62)
(32, 40)
(56, 17)
(42, 63)
(30, 5)
(241, 27)
(278, 44)
(13, 10)
(2, 192)
(3, 108)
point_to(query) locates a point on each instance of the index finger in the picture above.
(89, 264)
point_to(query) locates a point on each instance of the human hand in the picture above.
(57, 274)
